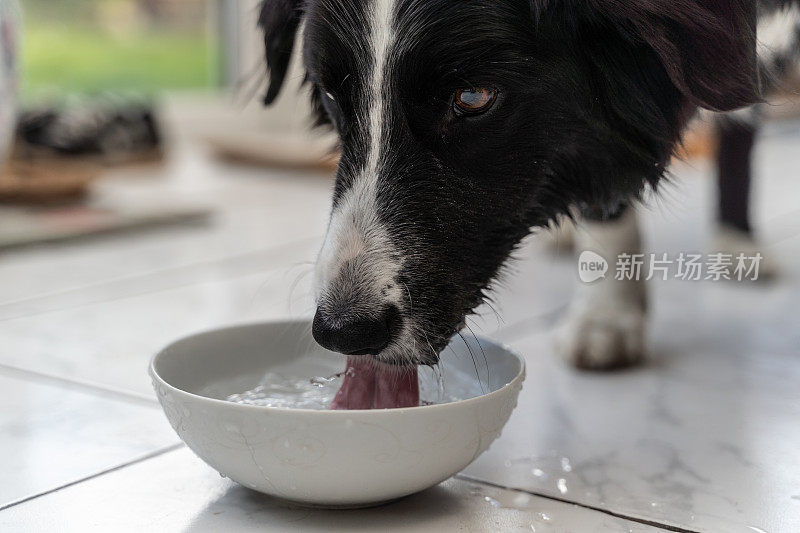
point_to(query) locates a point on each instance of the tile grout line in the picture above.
(642, 521)
(88, 386)
(198, 266)
(462, 477)
(141, 459)
(149, 292)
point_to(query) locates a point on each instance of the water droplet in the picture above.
(538, 472)
(508, 463)
(562, 485)
(440, 383)
(492, 501)
(320, 382)
(223, 476)
(522, 500)
(543, 517)
(565, 466)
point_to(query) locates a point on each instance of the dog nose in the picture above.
(358, 336)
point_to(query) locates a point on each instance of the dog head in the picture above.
(465, 124)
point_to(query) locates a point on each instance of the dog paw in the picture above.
(603, 336)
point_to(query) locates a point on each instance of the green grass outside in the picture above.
(80, 60)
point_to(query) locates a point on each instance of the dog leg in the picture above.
(734, 235)
(605, 325)
(734, 159)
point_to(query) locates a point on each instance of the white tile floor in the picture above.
(706, 437)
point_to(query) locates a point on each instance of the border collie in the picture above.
(464, 125)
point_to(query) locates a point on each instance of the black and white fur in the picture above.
(593, 96)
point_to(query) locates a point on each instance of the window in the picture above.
(88, 46)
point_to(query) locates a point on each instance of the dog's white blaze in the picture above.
(355, 230)
(381, 37)
(777, 33)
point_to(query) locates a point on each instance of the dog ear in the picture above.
(279, 20)
(708, 47)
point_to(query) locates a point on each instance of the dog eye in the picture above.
(474, 101)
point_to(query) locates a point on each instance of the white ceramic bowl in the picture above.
(324, 458)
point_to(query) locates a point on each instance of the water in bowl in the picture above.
(317, 393)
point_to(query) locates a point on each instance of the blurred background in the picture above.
(86, 46)
(105, 85)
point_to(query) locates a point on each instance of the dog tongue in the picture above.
(371, 385)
